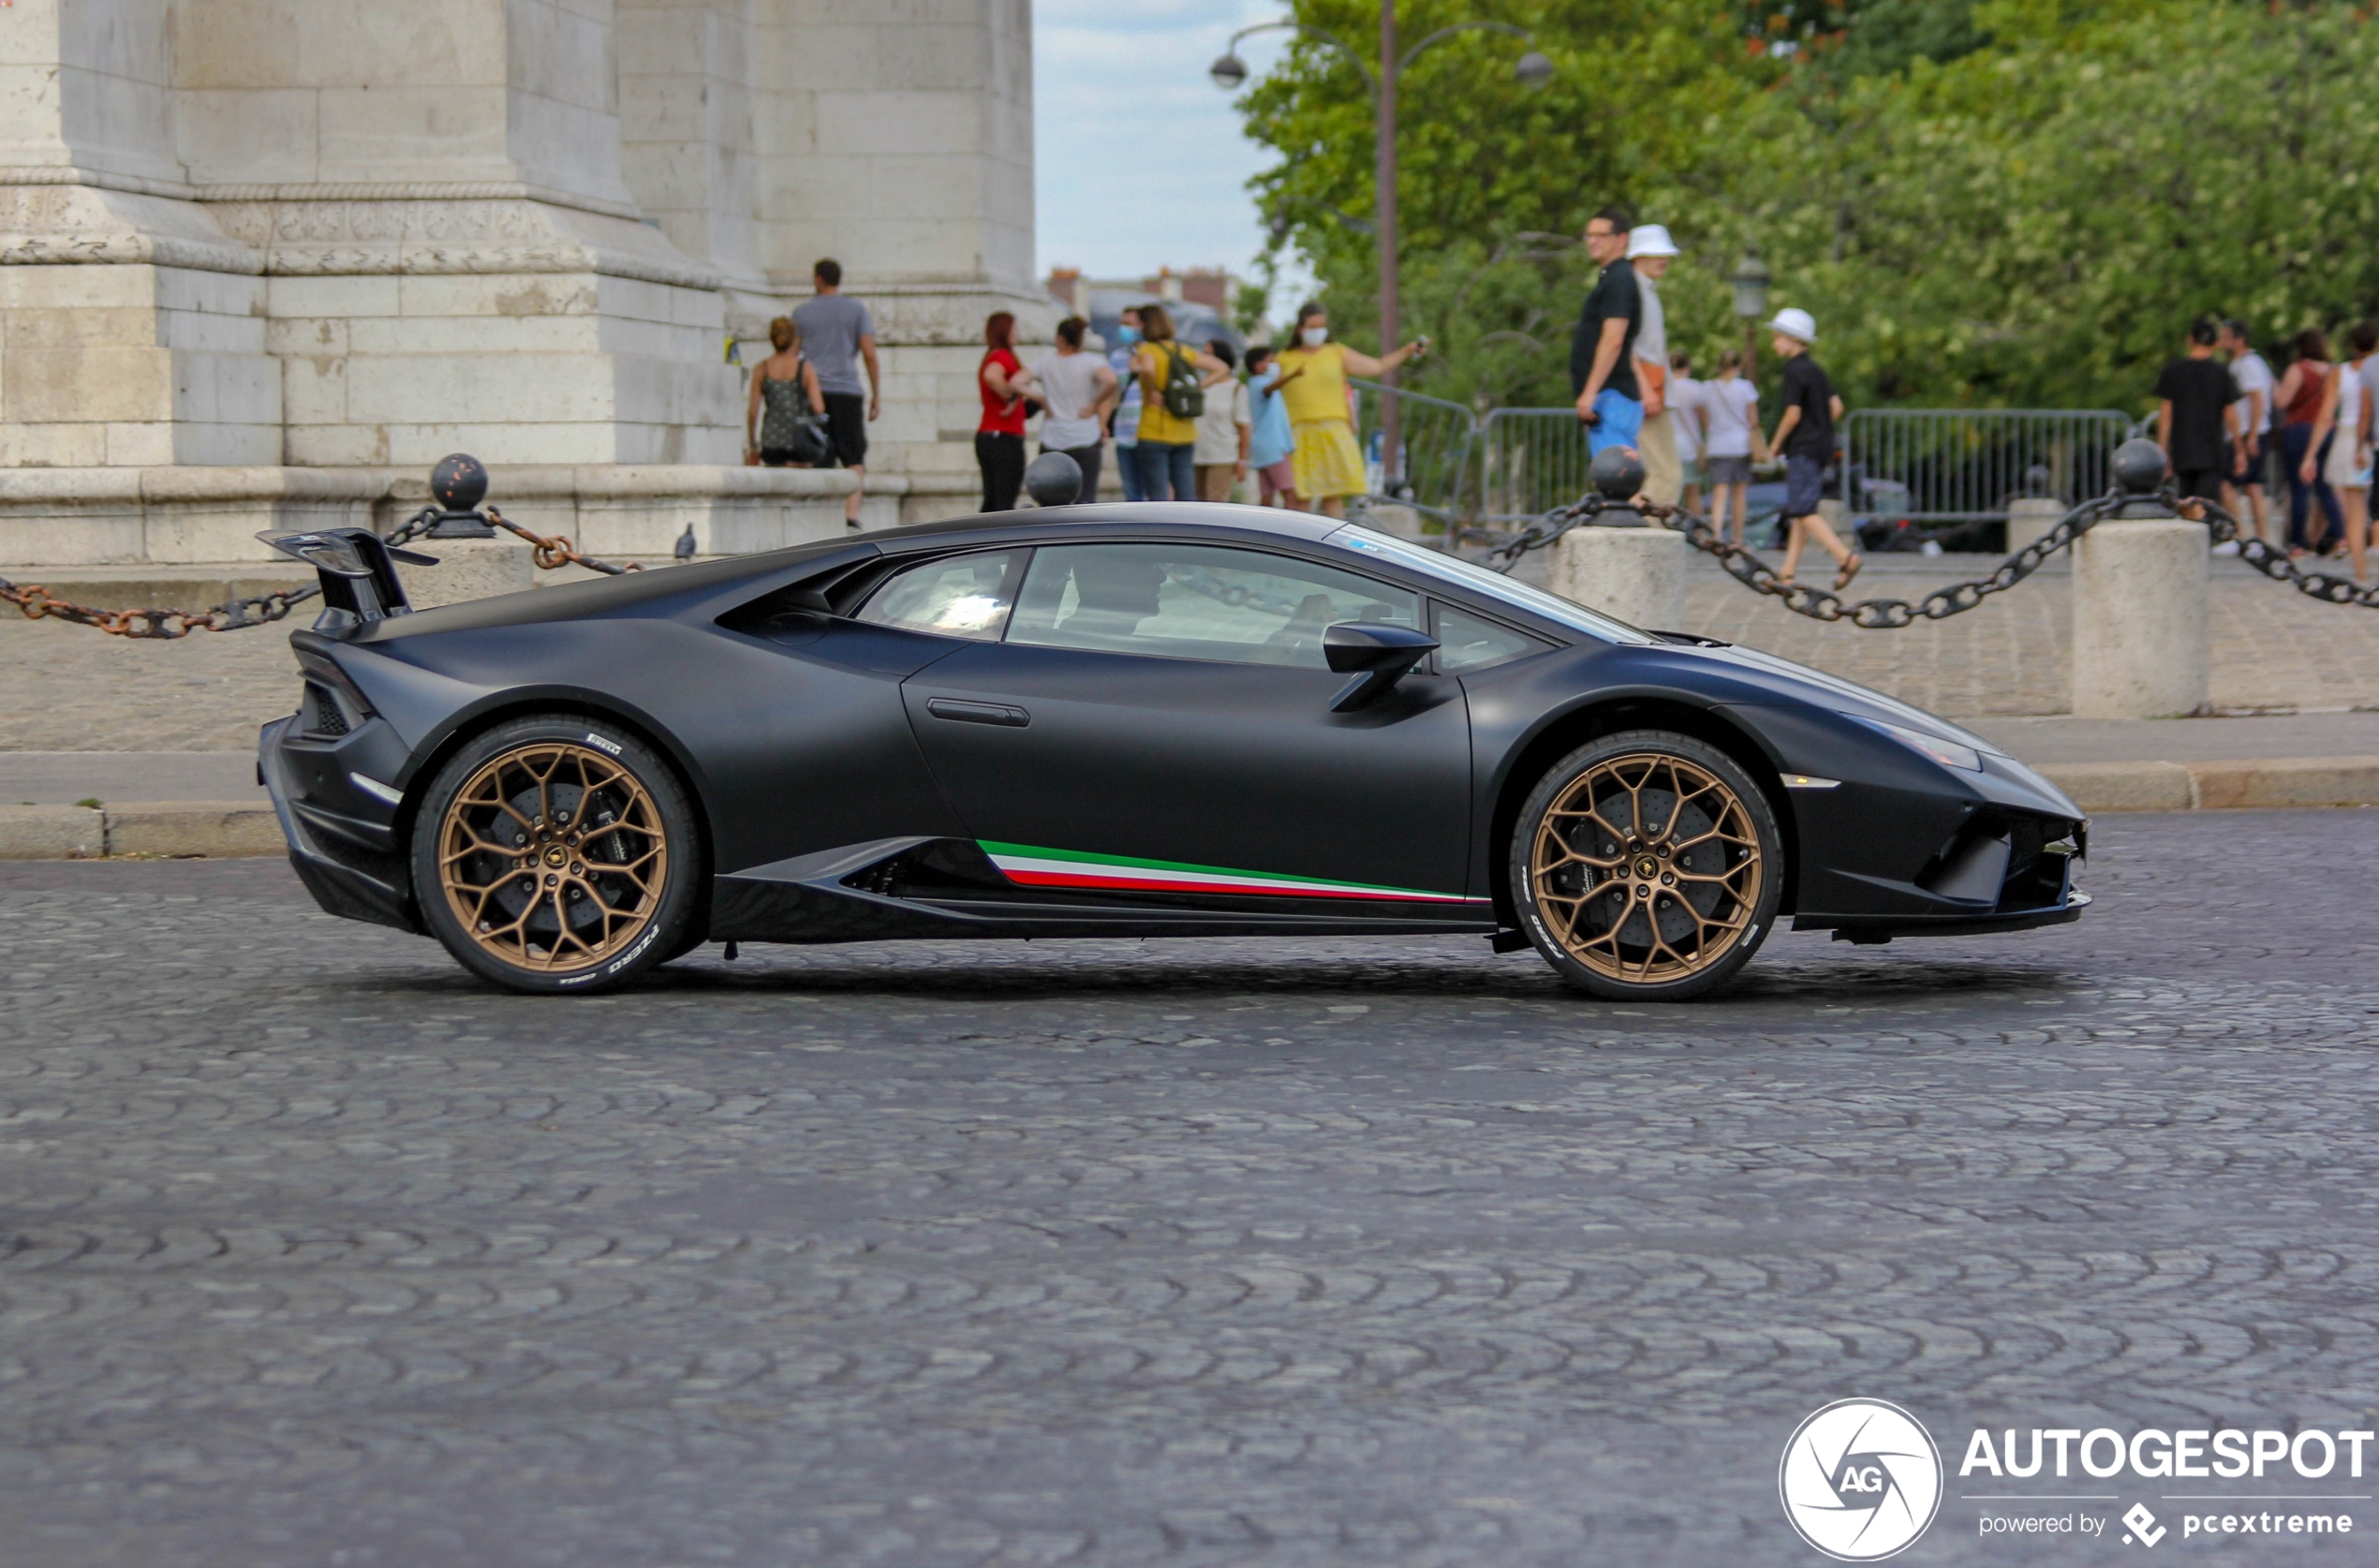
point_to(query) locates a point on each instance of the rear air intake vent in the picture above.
(324, 717)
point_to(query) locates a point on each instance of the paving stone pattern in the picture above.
(1233, 1254)
(69, 688)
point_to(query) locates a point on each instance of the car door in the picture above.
(1156, 719)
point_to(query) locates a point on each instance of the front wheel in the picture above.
(552, 855)
(1646, 866)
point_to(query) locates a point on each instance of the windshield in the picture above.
(1453, 569)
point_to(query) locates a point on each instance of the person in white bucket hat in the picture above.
(1649, 250)
(1804, 436)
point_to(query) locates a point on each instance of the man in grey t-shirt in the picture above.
(836, 332)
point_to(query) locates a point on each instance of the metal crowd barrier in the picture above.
(1435, 439)
(1942, 466)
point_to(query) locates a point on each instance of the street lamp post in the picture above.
(1531, 70)
(1751, 282)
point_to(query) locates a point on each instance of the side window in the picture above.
(958, 596)
(1196, 601)
(1467, 641)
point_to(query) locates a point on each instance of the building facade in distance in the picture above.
(265, 258)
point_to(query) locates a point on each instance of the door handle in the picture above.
(978, 713)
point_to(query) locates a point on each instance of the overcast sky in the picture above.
(1141, 161)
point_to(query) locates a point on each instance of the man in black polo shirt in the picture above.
(1804, 436)
(2195, 420)
(1602, 348)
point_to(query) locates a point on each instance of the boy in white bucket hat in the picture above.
(1804, 436)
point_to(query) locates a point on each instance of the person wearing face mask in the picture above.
(1127, 413)
(1314, 370)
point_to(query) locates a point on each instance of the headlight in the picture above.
(1949, 754)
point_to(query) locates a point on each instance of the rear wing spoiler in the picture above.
(357, 569)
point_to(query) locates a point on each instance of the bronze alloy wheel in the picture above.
(1647, 867)
(553, 857)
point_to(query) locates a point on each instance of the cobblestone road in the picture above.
(71, 689)
(1308, 1253)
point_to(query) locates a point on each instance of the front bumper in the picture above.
(344, 837)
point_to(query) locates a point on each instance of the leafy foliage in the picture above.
(2009, 203)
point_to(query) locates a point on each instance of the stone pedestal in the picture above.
(2029, 518)
(1634, 574)
(2139, 620)
(467, 569)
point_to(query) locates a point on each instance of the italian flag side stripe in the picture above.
(1033, 866)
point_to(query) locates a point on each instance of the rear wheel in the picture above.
(554, 855)
(1646, 866)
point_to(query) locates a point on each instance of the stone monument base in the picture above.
(79, 517)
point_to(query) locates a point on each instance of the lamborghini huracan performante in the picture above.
(1146, 720)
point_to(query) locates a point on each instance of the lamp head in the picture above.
(1228, 72)
(1535, 70)
(1750, 280)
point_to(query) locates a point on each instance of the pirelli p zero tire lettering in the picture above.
(553, 856)
(1646, 866)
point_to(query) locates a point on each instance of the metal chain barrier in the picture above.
(2273, 561)
(38, 603)
(1819, 604)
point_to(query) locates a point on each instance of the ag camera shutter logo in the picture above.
(1860, 1480)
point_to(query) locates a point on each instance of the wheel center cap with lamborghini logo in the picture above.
(555, 854)
(1647, 868)
(1860, 1480)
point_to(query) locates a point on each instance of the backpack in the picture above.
(1184, 398)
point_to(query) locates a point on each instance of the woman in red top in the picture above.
(2300, 396)
(999, 439)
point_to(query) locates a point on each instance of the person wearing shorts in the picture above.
(1805, 435)
(1271, 443)
(838, 333)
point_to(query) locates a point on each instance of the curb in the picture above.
(226, 828)
(2260, 784)
(163, 828)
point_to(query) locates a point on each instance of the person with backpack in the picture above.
(785, 420)
(1314, 372)
(1173, 380)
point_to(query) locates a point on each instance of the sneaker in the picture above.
(2227, 547)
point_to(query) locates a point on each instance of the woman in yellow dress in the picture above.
(1313, 382)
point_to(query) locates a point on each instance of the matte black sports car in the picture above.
(1143, 720)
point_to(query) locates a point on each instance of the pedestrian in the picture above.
(2194, 417)
(1223, 430)
(780, 419)
(1648, 251)
(1173, 379)
(2344, 431)
(1730, 407)
(1125, 419)
(838, 333)
(999, 434)
(1610, 403)
(2300, 396)
(1271, 445)
(1805, 435)
(2245, 495)
(1079, 390)
(1690, 421)
(1329, 463)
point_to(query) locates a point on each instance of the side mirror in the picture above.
(1376, 654)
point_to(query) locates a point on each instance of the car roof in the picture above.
(1045, 522)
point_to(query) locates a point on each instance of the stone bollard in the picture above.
(2029, 517)
(467, 569)
(1621, 563)
(473, 561)
(2139, 603)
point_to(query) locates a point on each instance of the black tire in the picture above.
(1646, 866)
(559, 909)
